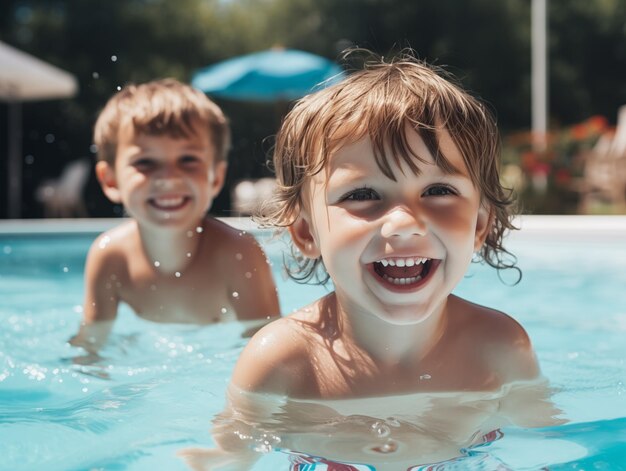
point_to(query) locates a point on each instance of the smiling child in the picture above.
(162, 149)
(389, 182)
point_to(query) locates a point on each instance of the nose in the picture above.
(167, 177)
(402, 222)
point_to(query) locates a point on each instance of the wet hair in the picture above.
(161, 107)
(379, 102)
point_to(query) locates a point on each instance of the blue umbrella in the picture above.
(273, 75)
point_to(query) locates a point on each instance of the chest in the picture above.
(341, 374)
(195, 295)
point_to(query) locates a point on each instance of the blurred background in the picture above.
(577, 166)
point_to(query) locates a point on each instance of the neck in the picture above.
(170, 250)
(392, 344)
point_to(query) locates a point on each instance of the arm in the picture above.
(253, 282)
(101, 299)
(262, 368)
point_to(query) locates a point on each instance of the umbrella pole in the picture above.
(14, 200)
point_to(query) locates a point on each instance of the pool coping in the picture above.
(611, 227)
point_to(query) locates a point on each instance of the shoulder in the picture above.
(229, 238)
(276, 360)
(110, 249)
(502, 343)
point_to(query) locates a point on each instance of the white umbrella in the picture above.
(26, 78)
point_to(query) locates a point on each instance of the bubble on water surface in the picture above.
(380, 429)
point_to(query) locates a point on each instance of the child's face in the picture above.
(162, 181)
(394, 249)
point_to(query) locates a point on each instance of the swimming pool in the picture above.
(157, 387)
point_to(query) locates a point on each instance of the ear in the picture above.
(303, 238)
(484, 224)
(219, 176)
(106, 176)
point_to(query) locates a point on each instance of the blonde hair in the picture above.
(379, 102)
(161, 107)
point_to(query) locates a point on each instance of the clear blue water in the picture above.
(157, 387)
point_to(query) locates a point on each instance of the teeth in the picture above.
(169, 202)
(402, 281)
(402, 262)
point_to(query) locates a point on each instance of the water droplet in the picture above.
(7, 249)
(153, 287)
(157, 263)
(235, 294)
(177, 274)
(224, 310)
(93, 148)
(113, 58)
(65, 269)
(95, 75)
(85, 390)
(189, 233)
(380, 429)
(118, 88)
(238, 256)
(188, 254)
(248, 275)
(199, 229)
(425, 376)
(29, 159)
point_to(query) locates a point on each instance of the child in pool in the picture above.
(162, 149)
(389, 181)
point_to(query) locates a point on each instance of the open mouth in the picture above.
(406, 273)
(169, 203)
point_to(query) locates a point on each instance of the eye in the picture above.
(144, 164)
(189, 160)
(361, 194)
(440, 190)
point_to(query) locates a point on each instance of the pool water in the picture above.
(157, 387)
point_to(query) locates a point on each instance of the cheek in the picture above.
(459, 221)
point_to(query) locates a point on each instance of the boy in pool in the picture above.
(388, 181)
(162, 149)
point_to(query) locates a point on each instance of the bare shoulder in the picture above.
(110, 249)
(501, 341)
(233, 245)
(244, 269)
(276, 360)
